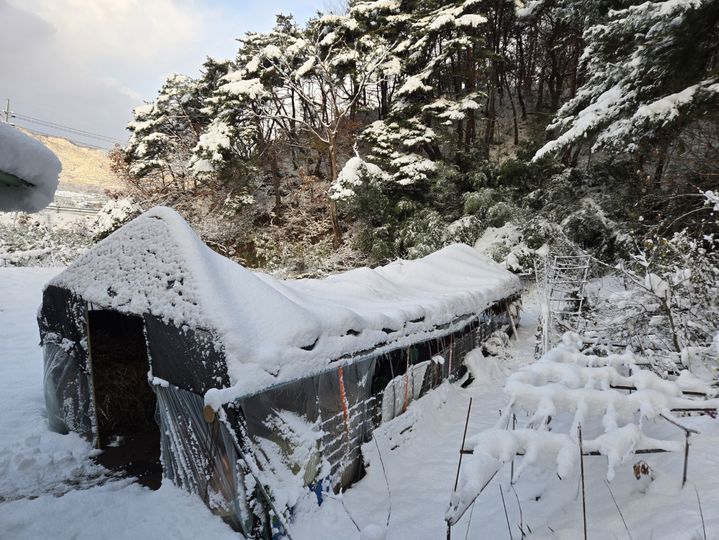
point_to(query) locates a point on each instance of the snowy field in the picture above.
(50, 487)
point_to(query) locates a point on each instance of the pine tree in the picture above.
(165, 131)
(439, 56)
(651, 70)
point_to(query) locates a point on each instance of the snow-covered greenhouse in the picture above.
(259, 389)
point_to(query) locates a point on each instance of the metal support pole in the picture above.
(584, 500)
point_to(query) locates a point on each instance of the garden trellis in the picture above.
(612, 394)
(562, 278)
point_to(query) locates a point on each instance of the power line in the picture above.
(61, 127)
(49, 123)
(75, 142)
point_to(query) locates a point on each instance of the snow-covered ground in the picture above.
(50, 488)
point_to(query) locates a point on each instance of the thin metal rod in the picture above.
(464, 438)
(511, 472)
(584, 500)
(506, 516)
(593, 452)
(459, 465)
(686, 429)
(686, 458)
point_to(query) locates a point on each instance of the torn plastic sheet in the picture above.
(67, 391)
(200, 456)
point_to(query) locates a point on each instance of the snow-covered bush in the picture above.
(29, 242)
(113, 215)
(671, 296)
(478, 202)
(354, 174)
(506, 245)
(500, 213)
(465, 230)
(422, 234)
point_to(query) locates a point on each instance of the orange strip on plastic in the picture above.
(343, 402)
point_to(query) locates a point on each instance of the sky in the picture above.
(85, 64)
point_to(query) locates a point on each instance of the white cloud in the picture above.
(87, 63)
(131, 33)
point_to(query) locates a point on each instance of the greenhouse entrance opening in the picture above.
(125, 403)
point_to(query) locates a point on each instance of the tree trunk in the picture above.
(276, 179)
(661, 162)
(514, 112)
(334, 218)
(491, 113)
(383, 108)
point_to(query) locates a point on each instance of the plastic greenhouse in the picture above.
(248, 391)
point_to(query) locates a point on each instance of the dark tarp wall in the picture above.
(67, 381)
(186, 357)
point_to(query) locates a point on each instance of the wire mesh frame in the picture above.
(561, 278)
(343, 437)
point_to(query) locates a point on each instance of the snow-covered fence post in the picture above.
(581, 469)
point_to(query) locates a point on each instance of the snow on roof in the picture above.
(29, 172)
(274, 331)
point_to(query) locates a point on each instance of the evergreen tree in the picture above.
(651, 70)
(164, 132)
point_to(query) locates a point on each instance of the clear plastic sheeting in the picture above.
(403, 389)
(67, 391)
(200, 456)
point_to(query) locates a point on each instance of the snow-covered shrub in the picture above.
(29, 242)
(444, 193)
(422, 234)
(500, 213)
(354, 174)
(538, 232)
(114, 215)
(506, 245)
(465, 230)
(670, 300)
(477, 202)
(498, 242)
(378, 242)
(273, 253)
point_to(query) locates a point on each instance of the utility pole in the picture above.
(7, 111)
